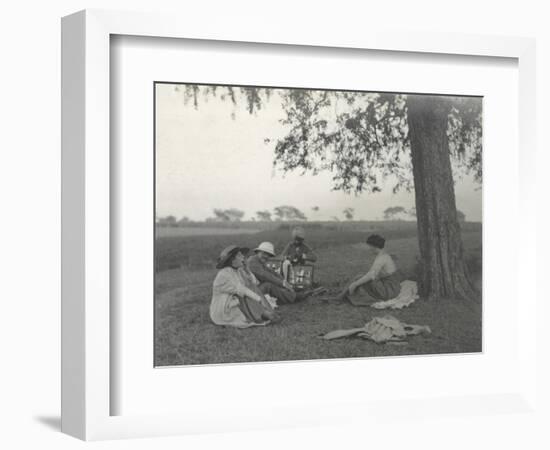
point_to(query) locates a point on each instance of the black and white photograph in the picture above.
(297, 224)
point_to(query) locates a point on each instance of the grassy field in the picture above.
(198, 246)
(185, 334)
(172, 232)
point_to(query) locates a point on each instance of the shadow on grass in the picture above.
(51, 422)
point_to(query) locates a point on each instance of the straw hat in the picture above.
(228, 253)
(266, 247)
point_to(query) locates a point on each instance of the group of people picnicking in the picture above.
(246, 289)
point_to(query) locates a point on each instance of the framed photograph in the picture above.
(257, 211)
(283, 209)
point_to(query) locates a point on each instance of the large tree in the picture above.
(365, 139)
(444, 273)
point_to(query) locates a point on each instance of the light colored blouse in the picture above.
(228, 286)
(382, 266)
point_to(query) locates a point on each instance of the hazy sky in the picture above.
(205, 159)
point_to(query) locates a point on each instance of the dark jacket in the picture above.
(295, 252)
(262, 272)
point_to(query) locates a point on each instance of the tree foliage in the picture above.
(349, 213)
(393, 211)
(287, 212)
(362, 138)
(227, 215)
(264, 216)
(465, 135)
(168, 221)
(253, 98)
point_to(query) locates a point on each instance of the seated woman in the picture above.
(381, 282)
(235, 301)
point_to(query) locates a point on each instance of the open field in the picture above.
(198, 247)
(169, 232)
(185, 335)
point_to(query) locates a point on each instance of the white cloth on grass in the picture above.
(407, 295)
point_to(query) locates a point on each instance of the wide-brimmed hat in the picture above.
(228, 253)
(298, 232)
(266, 247)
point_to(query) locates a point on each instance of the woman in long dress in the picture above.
(235, 300)
(381, 282)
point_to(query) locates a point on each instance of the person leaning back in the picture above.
(271, 283)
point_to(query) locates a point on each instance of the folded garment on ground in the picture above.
(380, 329)
(407, 295)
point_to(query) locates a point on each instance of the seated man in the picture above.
(296, 253)
(271, 283)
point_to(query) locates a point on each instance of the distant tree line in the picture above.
(399, 213)
(281, 213)
(287, 213)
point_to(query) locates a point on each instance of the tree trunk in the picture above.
(443, 272)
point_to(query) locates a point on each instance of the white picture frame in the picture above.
(86, 246)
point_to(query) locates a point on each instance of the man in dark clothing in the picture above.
(296, 252)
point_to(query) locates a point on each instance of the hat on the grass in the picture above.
(266, 247)
(227, 255)
(376, 241)
(298, 232)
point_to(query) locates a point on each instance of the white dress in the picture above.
(224, 308)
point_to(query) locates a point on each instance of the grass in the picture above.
(170, 232)
(185, 334)
(196, 247)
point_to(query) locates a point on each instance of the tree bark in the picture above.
(443, 272)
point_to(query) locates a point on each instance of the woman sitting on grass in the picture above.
(381, 282)
(235, 300)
